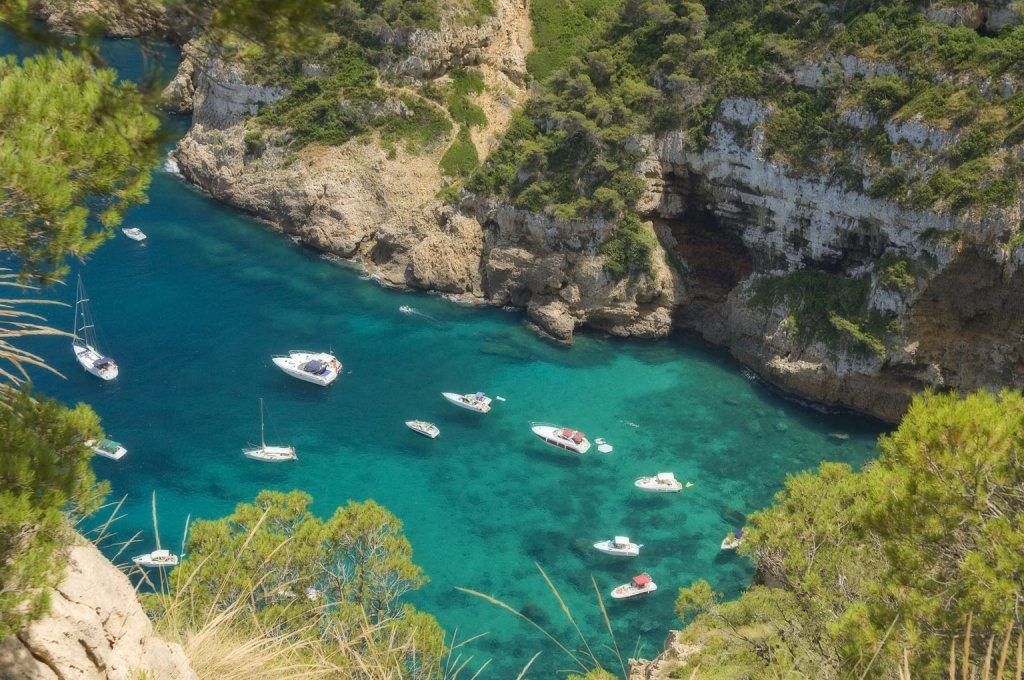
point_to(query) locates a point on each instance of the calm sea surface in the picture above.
(194, 315)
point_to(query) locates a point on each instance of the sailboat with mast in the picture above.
(269, 454)
(84, 342)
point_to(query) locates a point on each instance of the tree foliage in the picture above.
(76, 149)
(892, 558)
(348, 574)
(44, 471)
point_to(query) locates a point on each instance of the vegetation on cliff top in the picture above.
(895, 557)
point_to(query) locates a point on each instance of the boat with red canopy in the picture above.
(562, 437)
(638, 585)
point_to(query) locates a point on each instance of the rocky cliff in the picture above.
(96, 630)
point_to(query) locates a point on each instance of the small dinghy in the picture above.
(319, 368)
(107, 448)
(155, 559)
(424, 428)
(663, 482)
(84, 343)
(733, 540)
(638, 585)
(268, 454)
(562, 437)
(134, 233)
(478, 402)
(619, 545)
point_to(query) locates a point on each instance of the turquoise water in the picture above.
(194, 315)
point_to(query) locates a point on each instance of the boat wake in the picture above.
(412, 311)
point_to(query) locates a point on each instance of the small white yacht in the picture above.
(107, 448)
(157, 558)
(562, 437)
(620, 545)
(663, 482)
(83, 342)
(478, 402)
(319, 368)
(134, 233)
(732, 540)
(268, 454)
(424, 428)
(638, 585)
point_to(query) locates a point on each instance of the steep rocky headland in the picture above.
(886, 264)
(95, 629)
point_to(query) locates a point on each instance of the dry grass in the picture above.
(1007, 665)
(17, 323)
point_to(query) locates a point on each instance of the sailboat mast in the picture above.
(263, 443)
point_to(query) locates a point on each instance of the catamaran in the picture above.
(638, 585)
(663, 482)
(620, 545)
(478, 402)
(157, 558)
(269, 454)
(134, 233)
(320, 368)
(423, 427)
(562, 437)
(84, 343)
(107, 448)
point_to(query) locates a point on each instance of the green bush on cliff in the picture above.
(630, 249)
(892, 558)
(44, 471)
(461, 158)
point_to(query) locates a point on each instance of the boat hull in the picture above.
(87, 358)
(147, 561)
(653, 486)
(430, 432)
(549, 435)
(116, 454)
(608, 549)
(134, 235)
(628, 591)
(271, 454)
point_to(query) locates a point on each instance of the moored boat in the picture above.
(84, 343)
(155, 559)
(620, 545)
(663, 482)
(637, 586)
(134, 233)
(478, 402)
(107, 448)
(732, 540)
(268, 454)
(562, 437)
(320, 368)
(424, 428)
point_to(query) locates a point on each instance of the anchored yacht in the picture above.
(157, 558)
(562, 437)
(478, 402)
(638, 585)
(84, 343)
(620, 545)
(107, 448)
(268, 454)
(134, 233)
(424, 428)
(319, 368)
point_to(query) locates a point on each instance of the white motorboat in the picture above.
(155, 559)
(268, 454)
(478, 402)
(620, 545)
(638, 585)
(562, 437)
(134, 233)
(84, 343)
(663, 482)
(424, 428)
(107, 448)
(406, 309)
(733, 540)
(319, 368)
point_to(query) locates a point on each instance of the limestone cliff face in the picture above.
(96, 630)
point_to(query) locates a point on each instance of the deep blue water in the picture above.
(194, 315)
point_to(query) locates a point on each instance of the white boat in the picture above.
(638, 585)
(733, 540)
(107, 448)
(406, 309)
(268, 454)
(320, 368)
(84, 343)
(562, 437)
(663, 482)
(478, 402)
(157, 558)
(134, 233)
(620, 545)
(424, 428)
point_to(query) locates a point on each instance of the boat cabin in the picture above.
(666, 478)
(571, 435)
(621, 541)
(315, 366)
(641, 581)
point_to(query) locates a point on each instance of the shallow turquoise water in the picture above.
(194, 314)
